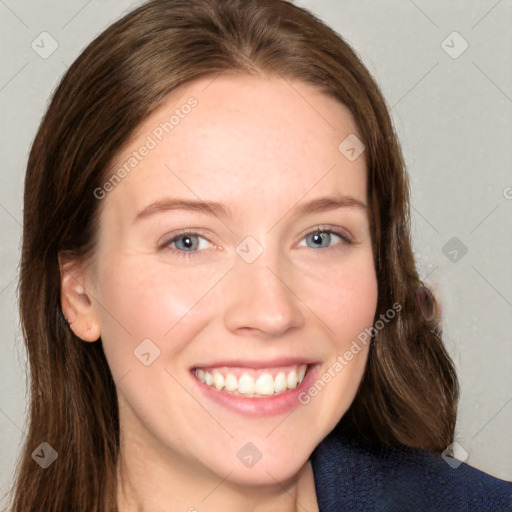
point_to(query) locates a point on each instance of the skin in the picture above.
(261, 146)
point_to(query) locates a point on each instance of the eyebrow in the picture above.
(320, 204)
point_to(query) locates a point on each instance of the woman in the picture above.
(192, 344)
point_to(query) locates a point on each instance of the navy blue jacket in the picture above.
(352, 474)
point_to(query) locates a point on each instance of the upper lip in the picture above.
(258, 363)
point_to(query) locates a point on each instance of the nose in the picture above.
(260, 296)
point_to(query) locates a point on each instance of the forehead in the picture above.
(221, 137)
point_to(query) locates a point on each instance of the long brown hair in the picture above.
(409, 391)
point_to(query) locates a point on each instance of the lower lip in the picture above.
(264, 406)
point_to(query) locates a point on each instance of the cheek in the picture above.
(150, 297)
(140, 302)
(344, 297)
(354, 304)
(347, 306)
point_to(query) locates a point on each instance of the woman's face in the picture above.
(252, 292)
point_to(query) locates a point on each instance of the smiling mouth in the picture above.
(251, 382)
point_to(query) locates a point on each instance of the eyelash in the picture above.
(187, 255)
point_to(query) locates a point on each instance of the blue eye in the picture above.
(325, 237)
(188, 240)
(186, 244)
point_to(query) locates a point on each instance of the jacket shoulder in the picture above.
(429, 478)
(349, 470)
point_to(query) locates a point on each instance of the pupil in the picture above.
(318, 238)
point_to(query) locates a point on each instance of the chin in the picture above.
(261, 475)
(267, 464)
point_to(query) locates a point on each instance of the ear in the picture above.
(76, 302)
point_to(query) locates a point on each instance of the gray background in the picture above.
(453, 115)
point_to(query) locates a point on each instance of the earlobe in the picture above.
(76, 303)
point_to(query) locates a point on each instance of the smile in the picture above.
(251, 382)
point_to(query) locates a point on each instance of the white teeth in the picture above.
(291, 380)
(265, 384)
(231, 382)
(218, 380)
(280, 383)
(247, 384)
